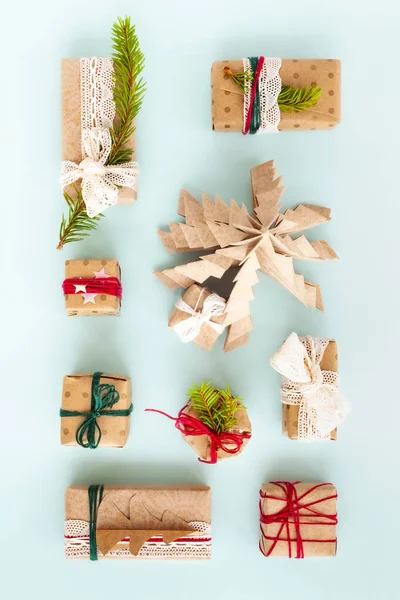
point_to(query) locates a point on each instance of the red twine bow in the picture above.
(295, 513)
(189, 425)
(100, 285)
(257, 74)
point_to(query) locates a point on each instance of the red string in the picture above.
(295, 514)
(257, 74)
(189, 425)
(100, 285)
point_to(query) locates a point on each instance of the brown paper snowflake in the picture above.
(233, 238)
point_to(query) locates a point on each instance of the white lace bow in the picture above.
(189, 329)
(321, 405)
(100, 182)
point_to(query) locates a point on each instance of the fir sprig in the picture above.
(214, 407)
(78, 224)
(290, 99)
(129, 87)
(128, 94)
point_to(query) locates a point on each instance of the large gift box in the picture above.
(103, 522)
(228, 100)
(92, 287)
(298, 520)
(95, 410)
(312, 404)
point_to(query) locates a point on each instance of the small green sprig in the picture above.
(215, 408)
(128, 94)
(290, 99)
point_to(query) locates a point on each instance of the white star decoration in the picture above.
(79, 288)
(89, 298)
(100, 274)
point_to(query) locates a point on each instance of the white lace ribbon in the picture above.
(322, 407)
(189, 329)
(269, 87)
(100, 182)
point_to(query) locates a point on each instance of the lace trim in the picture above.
(269, 86)
(97, 103)
(77, 543)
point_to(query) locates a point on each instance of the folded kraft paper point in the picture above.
(238, 244)
(117, 522)
(266, 95)
(312, 404)
(92, 287)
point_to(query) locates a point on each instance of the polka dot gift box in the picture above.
(95, 410)
(92, 287)
(265, 95)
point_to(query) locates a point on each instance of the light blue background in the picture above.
(353, 169)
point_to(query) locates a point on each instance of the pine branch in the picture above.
(290, 99)
(78, 224)
(214, 407)
(129, 87)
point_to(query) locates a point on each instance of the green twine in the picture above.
(255, 122)
(95, 495)
(104, 396)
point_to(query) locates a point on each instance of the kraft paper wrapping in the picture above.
(104, 303)
(201, 443)
(76, 395)
(227, 97)
(195, 296)
(144, 511)
(308, 532)
(290, 413)
(71, 122)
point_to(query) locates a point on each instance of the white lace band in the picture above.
(189, 329)
(269, 87)
(100, 183)
(321, 405)
(197, 545)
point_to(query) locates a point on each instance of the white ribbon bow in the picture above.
(100, 182)
(321, 405)
(189, 329)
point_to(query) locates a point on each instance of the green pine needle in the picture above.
(215, 408)
(298, 99)
(290, 99)
(128, 94)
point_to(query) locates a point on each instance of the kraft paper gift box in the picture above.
(172, 522)
(228, 98)
(71, 105)
(195, 296)
(298, 520)
(77, 397)
(92, 299)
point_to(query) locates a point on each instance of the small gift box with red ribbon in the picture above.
(92, 287)
(298, 520)
(95, 410)
(214, 423)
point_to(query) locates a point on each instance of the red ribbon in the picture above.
(189, 425)
(257, 74)
(100, 285)
(291, 515)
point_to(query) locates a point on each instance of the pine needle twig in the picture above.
(214, 407)
(78, 224)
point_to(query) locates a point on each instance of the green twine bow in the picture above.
(255, 122)
(95, 495)
(104, 396)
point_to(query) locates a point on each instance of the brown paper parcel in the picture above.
(195, 296)
(129, 517)
(290, 412)
(201, 443)
(227, 97)
(308, 532)
(76, 396)
(268, 241)
(71, 121)
(103, 304)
